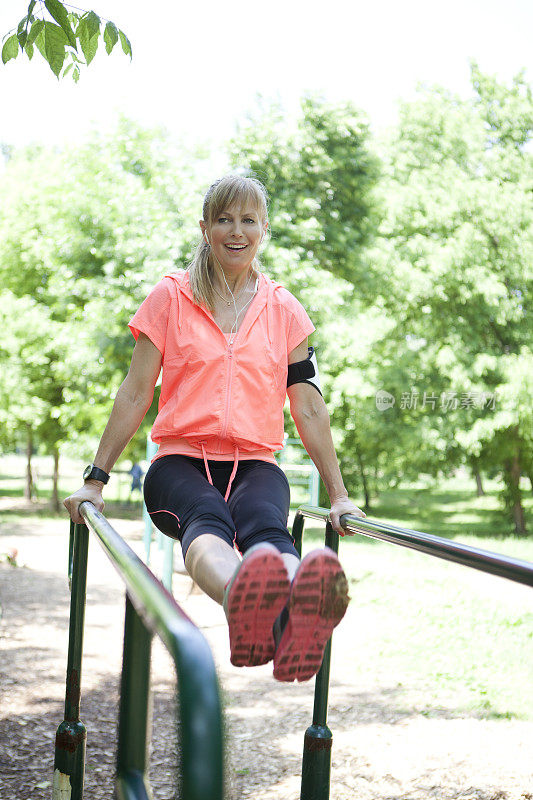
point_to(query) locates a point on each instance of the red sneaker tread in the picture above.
(318, 602)
(256, 597)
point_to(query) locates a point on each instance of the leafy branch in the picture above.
(67, 41)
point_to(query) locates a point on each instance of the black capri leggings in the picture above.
(184, 505)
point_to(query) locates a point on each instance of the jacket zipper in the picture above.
(228, 391)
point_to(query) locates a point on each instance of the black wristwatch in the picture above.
(95, 473)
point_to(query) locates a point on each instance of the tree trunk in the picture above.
(55, 494)
(28, 487)
(374, 491)
(480, 492)
(512, 476)
(366, 490)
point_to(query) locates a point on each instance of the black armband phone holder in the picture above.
(305, 371)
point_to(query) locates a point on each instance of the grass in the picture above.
(12, 471)
(463, 637)
(450, 508)
(446, 640)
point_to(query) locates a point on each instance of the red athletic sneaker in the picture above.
(318, 602)
(253, 599)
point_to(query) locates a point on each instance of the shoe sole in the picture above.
(318, 602)
(257, 595)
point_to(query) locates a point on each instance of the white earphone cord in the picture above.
(233, 331)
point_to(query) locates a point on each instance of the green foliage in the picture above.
(507, 111)
(10, 48)
(59, 42)
(110, 36)
(89, 34)
(36, 372)
(431, 253)
(60, 14)
(75, 263)
(51, 43)
(458, 239)
(412, 255)
(321, 180)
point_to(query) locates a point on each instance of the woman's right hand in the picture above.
(89, 491)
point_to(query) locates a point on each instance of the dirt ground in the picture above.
(381, 749)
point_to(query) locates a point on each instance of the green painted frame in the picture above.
(150, 609)
(316, 762)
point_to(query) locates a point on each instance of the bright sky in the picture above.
(198, 66)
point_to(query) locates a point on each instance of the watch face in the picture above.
(87, 471)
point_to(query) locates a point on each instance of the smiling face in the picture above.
(235, 235)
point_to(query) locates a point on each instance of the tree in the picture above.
(322, 179)
(76, 261)
(429, 307)
(61, 36)
(458, 239)
(33, 379)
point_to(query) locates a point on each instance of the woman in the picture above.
(232, 344)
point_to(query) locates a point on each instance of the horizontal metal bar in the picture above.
(199, 697)
(154, 604)
(513, 569)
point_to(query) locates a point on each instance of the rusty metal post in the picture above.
(69, 763)
(316, 762)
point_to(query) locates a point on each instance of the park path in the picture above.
(382, 749)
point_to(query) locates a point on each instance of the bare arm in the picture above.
(132, 401)
(311, 417)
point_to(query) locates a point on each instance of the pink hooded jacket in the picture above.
(220, 399)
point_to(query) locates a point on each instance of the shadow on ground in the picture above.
(265, 721)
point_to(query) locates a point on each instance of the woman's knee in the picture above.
(206, 545)
(203, 531)
(280, 538)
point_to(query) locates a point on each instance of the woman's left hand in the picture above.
(340, 507)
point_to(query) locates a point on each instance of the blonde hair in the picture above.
(220, 196)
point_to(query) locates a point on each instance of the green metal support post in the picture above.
(135, 710)
(297, 532)
(151, 450)
(69, 763)
(151, 608)
(316, 762)
(168, 563)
